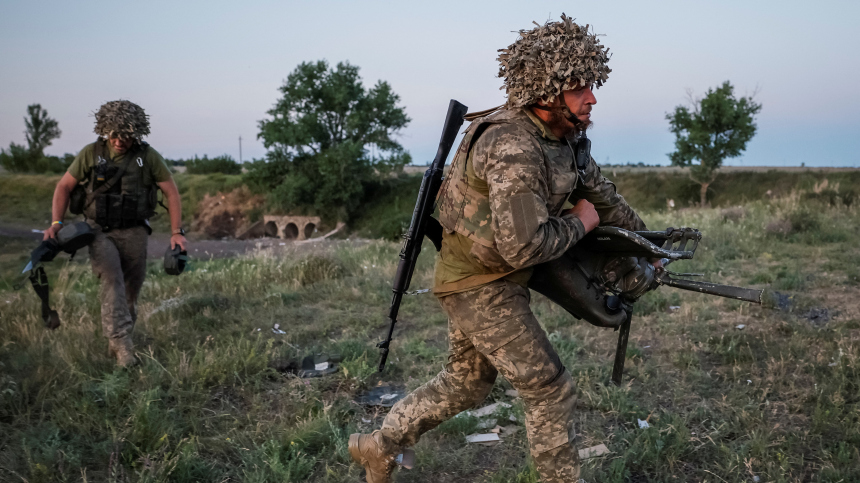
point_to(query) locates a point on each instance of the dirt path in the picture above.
(197, 248)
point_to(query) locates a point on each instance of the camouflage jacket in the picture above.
(509, 182)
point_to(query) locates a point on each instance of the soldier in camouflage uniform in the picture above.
(506, 207)
(118, 213)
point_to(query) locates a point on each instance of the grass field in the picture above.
(778, 400)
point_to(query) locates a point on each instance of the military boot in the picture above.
(123, 350)
(378, 458)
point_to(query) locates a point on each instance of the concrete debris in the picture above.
(593, 451)
(488, 410)
(482, 438)
(488, 423)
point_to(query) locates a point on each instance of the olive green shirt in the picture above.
(155, 168)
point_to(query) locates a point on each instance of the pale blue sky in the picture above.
(206, 72)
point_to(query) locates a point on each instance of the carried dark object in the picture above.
(175, 260)
(70, 239)
(601, 277)
(422, 222)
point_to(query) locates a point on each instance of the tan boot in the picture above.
(369, 451)
(123, 350)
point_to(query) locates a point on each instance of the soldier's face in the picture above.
(120, 145)
(579, 101)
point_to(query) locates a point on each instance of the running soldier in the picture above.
(116, 177)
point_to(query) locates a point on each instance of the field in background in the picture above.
(777, 400)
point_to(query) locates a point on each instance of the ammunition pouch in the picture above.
(78, 200)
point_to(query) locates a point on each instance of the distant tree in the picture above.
(327, 137)
(709, 130)
(219, 164)
(41, 129)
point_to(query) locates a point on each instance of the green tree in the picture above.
(328, 137)
(41, 129)
(709, 130)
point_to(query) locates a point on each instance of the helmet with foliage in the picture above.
(549, 59)
(122, 118)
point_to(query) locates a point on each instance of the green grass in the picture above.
(777, 400)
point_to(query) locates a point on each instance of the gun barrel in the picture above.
(729, 291)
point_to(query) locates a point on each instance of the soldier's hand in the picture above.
(178, 240)
(51, 232)
(586, 213)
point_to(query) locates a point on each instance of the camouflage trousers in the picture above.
(492, 330)
(118, 259)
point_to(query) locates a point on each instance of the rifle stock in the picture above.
(424, 206)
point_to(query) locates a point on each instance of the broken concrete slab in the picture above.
(488, 410)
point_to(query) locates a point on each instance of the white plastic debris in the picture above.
(37, 231)
(365, 421)
(482, 438)
(277, 326)
(740, 326)
(643, 424)
(488, 410)
(749, 382)
(832, 364)
(673, 308)
(277, 331)
(387, 397)
(593, 451)
(756, 479)
(321, 366)
(281, 244)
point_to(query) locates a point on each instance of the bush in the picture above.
(220, 164)
(18, 159)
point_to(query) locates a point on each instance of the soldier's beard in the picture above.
(558, 117)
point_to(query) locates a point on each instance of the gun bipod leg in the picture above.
(621, 349)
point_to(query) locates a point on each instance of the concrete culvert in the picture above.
(271, 229)
(310, 228)
(291, 231)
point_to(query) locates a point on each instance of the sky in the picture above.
(207, 72)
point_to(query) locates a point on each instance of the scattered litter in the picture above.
(310, 366)
(277, 326)
(406, 459)
(482, 438)
(384, 396)
(647, 347)
(488, 410)
(258, 330)
(281, 244)
(818, 316)
(366, 421)
(756, 479)
(673, 308)
(593, 451)
(832, 364)
(276, 330)
(740, 326)
(37, 231)
(417, 292)
(749, 382)
(643, 424)
(512, 393)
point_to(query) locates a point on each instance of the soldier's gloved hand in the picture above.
(51, 232)
(586, 213)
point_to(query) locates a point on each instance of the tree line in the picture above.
(331, 141)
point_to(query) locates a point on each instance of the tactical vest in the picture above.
(463, 205)
(126, 202)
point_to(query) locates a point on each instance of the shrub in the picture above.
(220, 164)
(18, 159)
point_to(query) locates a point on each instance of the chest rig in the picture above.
(116, 195)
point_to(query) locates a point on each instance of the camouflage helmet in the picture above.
(549, 59)
(122, 118)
